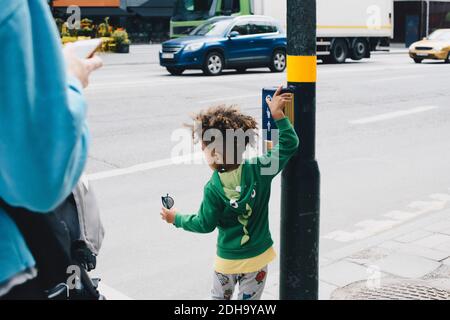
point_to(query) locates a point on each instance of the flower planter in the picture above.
(123, 48)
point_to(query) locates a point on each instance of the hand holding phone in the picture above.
(85, 49)
(80, 59)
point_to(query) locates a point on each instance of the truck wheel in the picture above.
(175, 71)
(339, 52)
(359, 49)
(418, 60)
(213, 65)
(278, 62)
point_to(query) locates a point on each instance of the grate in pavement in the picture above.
(393, 290)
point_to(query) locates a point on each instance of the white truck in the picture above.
(345, 28)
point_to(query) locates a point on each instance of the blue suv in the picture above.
(228, 43)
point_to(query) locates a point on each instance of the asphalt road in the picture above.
(382, 145)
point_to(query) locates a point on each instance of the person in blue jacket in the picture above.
(43, 134)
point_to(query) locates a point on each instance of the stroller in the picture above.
(64, 243)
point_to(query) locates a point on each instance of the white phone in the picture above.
(85, 49)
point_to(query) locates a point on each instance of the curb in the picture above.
(389, 52)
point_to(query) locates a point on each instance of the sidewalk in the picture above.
(149, 54)
(394, 48)
(418, 250)
(139, 54)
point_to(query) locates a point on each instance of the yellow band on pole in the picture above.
(302, 69)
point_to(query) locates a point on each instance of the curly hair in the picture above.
(231, 123)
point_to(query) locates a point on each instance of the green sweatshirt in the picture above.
(243, 224)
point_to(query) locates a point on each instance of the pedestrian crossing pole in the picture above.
(300, 209)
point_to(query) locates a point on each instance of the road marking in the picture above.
(229, 78)
(393, 115)
(229, 99)
(158, 82)
(367, 228)
(123, 84)
(362, 67)
(190, 158)
(396, 78)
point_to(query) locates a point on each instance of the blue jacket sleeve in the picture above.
(43, 133)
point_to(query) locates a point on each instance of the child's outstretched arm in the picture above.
(205, 221)
(276, 159)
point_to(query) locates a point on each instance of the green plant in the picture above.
(101, 30)
(121, 37)
(104, 29)
(86, 32)
(86, 23)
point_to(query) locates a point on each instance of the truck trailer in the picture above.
(345, 28)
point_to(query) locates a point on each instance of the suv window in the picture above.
(230, 6)
(242, 27)
(259, 27)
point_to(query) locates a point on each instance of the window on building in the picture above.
(439, 15)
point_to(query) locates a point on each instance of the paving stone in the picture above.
(325, 290)
(413, 236)
(440, 227)
(390, 245)
(324, 261)
(432, 241)
(445, 247)
(411, 249)
(270, 295)
(366, 257)
(343, 273)
(407, 266)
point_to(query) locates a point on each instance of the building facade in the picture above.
(416, 19)
(148, 20)
(145, 20)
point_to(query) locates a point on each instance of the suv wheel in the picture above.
(418, 60)
(213, 64)
(175, 71)
(278, 63)
(448, 58)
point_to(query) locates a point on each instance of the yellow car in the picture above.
(436, 47)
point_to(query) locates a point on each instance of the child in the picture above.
(236, 198)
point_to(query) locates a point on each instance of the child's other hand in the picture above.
(278, 103)
(168, 215)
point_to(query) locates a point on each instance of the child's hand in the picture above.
(278, 103)
(168, 215)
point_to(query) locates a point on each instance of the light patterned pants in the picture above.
(251, 285)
